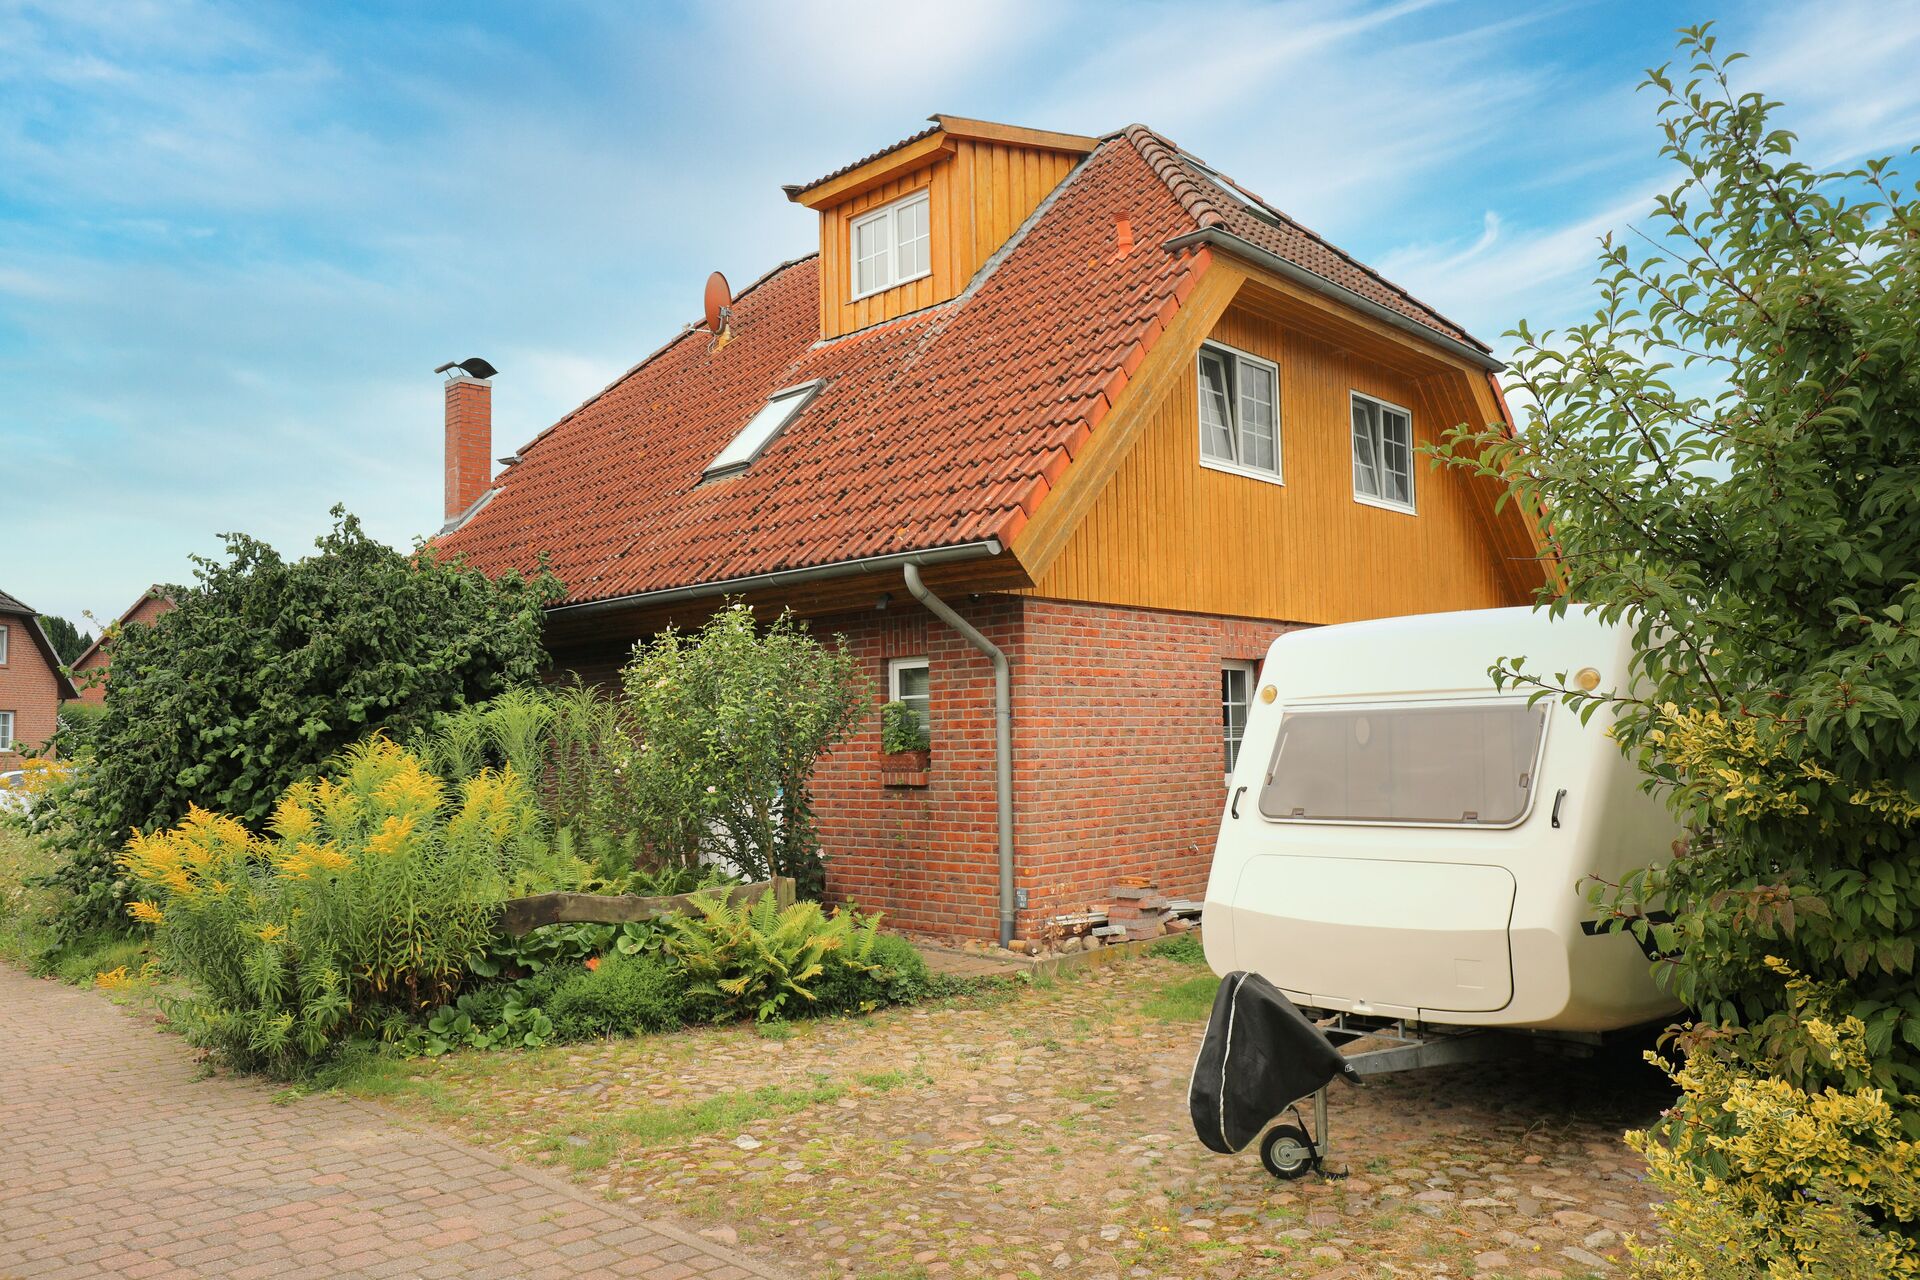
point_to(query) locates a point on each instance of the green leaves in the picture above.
(1728, 457)
(266, 669)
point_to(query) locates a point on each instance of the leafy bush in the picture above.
(901, 730)
(1729, 452)
(1766, 1178)
(621, 995)
(872, 970)
(753, 959)
(729, 722)
(264, 671)
(365, 906)
(575, 741)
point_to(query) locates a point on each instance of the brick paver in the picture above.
(116, 1161)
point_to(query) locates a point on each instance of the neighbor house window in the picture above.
(907, 682)
(3, 646)
(6, 730)
(1382, 453)
(1239, 412)
(891, 245)
(780, 409)
(1236, 695)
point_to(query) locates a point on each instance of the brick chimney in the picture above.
(469, 442)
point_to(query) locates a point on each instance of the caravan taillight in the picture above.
(1587, 678)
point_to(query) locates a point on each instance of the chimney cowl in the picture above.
(472, 367)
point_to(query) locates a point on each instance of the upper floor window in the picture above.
(891, 245)
(1382, 453)
(780, 409)
(1239, 412)
(3, 646)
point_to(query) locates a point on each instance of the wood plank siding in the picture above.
(979, 192)
(1166, 532)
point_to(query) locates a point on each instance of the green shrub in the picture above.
(901, 730)
(263, 672)
(621, 995)
(1182, 948)
(871, 971)
(753, 959)
(366, 906)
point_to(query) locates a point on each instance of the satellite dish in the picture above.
(719, 303)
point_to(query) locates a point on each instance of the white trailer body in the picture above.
(1402, 841)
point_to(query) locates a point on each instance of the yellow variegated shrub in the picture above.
(370, 894)
(1775, 1182)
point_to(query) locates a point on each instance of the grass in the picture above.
(1188, 1000)
(595, 1144)
(27, 936)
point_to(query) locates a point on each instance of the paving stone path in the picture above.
(115, 1160)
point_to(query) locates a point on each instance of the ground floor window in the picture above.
(907, 683)
(6, 730)
(1236, 695)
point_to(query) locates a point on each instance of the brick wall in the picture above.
(28, 688)
(469, 442)
(1117, 758)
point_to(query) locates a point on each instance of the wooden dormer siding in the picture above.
(983, 180)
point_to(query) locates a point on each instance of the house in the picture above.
(91, 667)
(1058, 426)
(32, 684)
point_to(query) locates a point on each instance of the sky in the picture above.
(235, 239)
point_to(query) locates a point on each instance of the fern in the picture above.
(754, 959)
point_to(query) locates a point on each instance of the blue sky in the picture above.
(235, 239)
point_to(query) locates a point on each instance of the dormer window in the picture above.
(781, 408)
(891, 245)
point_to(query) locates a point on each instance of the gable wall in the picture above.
(978, 196)
(1169, 533)
(29, 688)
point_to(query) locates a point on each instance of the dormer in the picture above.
(908, 227)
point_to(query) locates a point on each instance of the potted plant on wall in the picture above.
(905, 743)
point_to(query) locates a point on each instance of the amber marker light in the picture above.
(1587, 678)
(1269, 693)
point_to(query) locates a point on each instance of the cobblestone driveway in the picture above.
(115, 1161)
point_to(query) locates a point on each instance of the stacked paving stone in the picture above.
(1139, 908)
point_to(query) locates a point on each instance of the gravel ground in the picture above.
(1042, 1131)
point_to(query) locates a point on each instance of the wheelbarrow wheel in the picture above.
(1287, 1152)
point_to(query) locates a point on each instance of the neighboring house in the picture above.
(98, 656)
(31, 683)
(1125, 419)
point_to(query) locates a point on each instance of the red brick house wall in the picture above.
(1118, 767)
(30, 688)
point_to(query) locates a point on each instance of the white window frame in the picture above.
(1412, 505)
(890, 214)
(6, 730)
(1237, 468)
(897, 665)
(794, 400)
(6, 634)
(1252, 672)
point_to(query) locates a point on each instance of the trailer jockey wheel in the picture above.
(1287, 1152)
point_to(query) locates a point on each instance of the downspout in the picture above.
(1002, 734)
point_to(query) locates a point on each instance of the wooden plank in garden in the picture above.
(525, 914)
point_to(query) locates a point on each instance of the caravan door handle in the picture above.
(1557, 798)
(1233, 810)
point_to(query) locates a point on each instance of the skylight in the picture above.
(780, 409)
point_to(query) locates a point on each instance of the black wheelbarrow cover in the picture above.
(1261, 1056)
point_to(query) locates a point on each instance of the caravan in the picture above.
(1403, 842)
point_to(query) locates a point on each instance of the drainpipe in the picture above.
(1002, 734)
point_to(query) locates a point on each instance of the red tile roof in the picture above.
(941, 428)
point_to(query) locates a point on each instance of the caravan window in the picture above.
(1468, 765)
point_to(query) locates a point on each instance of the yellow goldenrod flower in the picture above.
(271, 932)
(146, 912)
